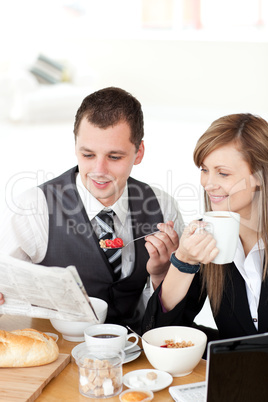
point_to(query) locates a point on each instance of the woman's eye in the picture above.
(203, 170)
(223, 174)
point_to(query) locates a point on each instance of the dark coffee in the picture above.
(105, 336)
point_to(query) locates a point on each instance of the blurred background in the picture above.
(187, 61)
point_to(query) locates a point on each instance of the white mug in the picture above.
(224, 226)
(109, 336)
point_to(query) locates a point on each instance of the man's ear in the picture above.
(140, 154)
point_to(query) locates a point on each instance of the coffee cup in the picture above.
(224, 226)
(109, 336)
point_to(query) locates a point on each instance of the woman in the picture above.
(233, 157)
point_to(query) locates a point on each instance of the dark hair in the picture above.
(109, 106)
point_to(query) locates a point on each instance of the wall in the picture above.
(182, 85)
(192, 74)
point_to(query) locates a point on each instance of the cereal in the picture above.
(109, 243)
(102, 243)
(169, 343)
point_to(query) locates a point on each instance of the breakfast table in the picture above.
(64, 385)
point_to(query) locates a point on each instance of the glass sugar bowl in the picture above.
(100, 371)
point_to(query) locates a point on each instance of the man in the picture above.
(68, 221)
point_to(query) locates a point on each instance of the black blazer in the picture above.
(233, 319)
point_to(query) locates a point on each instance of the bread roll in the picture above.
(26, 348)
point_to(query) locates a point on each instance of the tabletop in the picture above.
(64, 387)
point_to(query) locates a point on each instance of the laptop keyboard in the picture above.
(189, 392)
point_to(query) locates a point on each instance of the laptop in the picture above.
(237, 371)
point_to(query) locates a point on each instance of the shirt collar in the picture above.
(93, 206)
(240, 255)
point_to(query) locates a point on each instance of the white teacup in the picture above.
(109, 336)
(224, 226)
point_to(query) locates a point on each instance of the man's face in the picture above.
(105, 159)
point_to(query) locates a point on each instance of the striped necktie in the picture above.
(106, 223)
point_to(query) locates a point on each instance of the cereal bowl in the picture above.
(178, 361)
(74, 330)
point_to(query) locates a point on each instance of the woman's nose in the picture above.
(211, 185)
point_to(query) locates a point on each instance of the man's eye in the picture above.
(114, 158)
(88, 155)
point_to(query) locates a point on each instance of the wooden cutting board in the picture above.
(26, 384)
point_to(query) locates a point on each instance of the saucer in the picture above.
(130, 358)
(162, 381)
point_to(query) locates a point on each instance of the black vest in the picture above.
(72, 241)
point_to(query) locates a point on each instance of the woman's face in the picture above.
(228, 181)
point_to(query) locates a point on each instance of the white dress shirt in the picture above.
(24, 228)
(251, 269)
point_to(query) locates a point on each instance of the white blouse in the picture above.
(251, 269)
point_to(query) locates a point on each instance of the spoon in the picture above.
(136, 332)
(131, 241)
(134, 351)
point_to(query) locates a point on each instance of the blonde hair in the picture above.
(249, 134)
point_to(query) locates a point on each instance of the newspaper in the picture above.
(44, 292)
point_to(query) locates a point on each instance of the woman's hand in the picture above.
(196, 244)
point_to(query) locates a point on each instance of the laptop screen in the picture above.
(238, 370)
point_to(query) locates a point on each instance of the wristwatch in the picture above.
(183, 266)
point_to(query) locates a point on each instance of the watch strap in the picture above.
(184, 266)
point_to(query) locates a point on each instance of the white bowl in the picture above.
(176, 361)
(74, 330)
